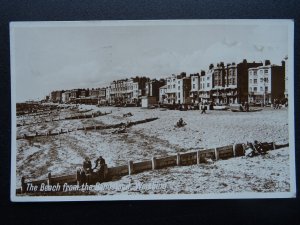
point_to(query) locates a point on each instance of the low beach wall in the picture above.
(180, 159)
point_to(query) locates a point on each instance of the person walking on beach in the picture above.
(203, 108)
(246, 106)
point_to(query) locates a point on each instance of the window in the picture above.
(174, 80)
(255, 89)
(255, 73)
(250, 81)
(261, 80)
(250, 89)
(178, 94)
(194, 86)
(207, 84)
(266, 71)
(179, 82)
(266, 89)
(255, 81)
(193, 78)
(261, 89)
(207, 78)
(261, 72)
(173, 85)
(178, 87)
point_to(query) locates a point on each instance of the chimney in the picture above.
(267, 62)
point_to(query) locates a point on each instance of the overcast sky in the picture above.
(56, 56)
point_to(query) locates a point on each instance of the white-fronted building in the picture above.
(162, 94)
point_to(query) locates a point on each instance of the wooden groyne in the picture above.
(89, 128)
(180, 159)
(88, 116)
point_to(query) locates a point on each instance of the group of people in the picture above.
(99, 167)
(277, 104)
(180, 123)
(254, 149)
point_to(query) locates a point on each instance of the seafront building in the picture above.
(232, 83)
(178, 89)
(266, 83)
(226, 84)
(162, 94)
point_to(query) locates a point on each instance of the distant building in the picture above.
(206, 84)
(266, 83)
(66, 96)
(132, 91)
(163, 95)
(94, 93)
(97, 95)
(107, 94)
(226, 84)
(118, 91)
(126, 90)
(171, 89)
(195, 86)
(84, 93)
(74, 94)
(56, 96)
(152, 88)
(185, 90)
(178, 89)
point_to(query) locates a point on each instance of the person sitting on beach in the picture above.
(255, 149)
(87, 165)
(180, 123)
(100, 167)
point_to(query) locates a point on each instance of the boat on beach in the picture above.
(250, 110)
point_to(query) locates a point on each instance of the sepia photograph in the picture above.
(152, 109)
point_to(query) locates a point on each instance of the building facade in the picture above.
(206, 84)
(226, 84)
(56, 96)
(178, 89)
(66, 96)
(163, 95)
(195, 87)
(152, 88)
(266, 83)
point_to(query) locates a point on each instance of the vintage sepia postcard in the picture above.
(140, 110)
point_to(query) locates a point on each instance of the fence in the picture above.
(181, 159)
